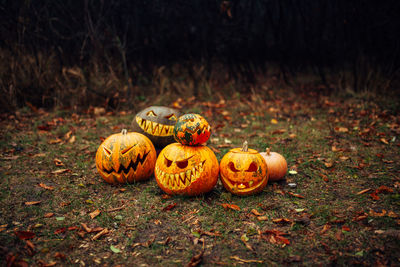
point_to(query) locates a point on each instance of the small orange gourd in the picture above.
(277, 164)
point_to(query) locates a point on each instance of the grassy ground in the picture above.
(345, 208)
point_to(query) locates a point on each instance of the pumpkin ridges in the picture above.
(195, 155)
(277, 164)
(132, 158)
(237, 172)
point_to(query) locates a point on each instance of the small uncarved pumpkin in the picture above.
(243, 171)
(186, 170)
(126, 157)
(192, 129)
(276, 163)
(157, 123)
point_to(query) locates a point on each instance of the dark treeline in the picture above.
(243, 35)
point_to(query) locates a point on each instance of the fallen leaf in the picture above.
(328, 164)
(48, 215)
(230, 206)
(255, 212)
(47, 187)
(196, 259)
(295, 195)
(262, 218)
(341, 129)
(244, 238)
(377, 214)
(94, 214)
(30, 203)
(30, 244)
(60, 171)
(72, 139)
(24, 235)
(325, 228)
(169, 207)
(60, 230)
(245, 261)
(384, 189)
(114, 249)
(374, 196)
(86, 228)
(99, 234)
(281, 220)
(383, 140)
(292, 172)
(55, 141)
(274, 121)
(345, 228)
(363, 191)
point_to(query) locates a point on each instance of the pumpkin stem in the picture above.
(268, 150)
(245, 146)
(124, 131)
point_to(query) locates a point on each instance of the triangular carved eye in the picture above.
(126, 150)
(106, 151)
(232, 167)
(171, 117)
(167, 161)
(151, 114)
(182, 164)
(252, 167)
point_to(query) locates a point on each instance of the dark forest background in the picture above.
(113, 53)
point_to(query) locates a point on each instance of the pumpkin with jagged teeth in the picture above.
(125, 157)
(192, 130)
(186, 170)
(243, 171)
(157, 123)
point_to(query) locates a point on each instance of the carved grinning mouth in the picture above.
(179, 181)
(132, 165)
(198, 129)
(155, 128)
(239, 186)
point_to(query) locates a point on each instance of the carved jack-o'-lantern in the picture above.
(157, 123)
(186, 170)
(243, 171)
(125, 157)
(192, 130)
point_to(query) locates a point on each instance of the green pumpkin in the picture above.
(157, 123)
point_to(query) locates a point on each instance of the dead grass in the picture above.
(337, 147)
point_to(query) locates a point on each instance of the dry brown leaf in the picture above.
(86, 228)
(30, 203)
(99, 234)
(281, 220)
(59, 171)
(325, 228)
(55, 141)
(383, 140)
(72, 139)
(245, 261)
(255, 212)
(262, 218)
(295, 195)
(47, 187)
(230, 206)
(196, 259)
(94, 214)
(363, 191)
(48, 215)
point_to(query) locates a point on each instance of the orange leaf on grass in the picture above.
(94, 214)
(47, 187)
(30, 203)
(295, 195)
(230, 206)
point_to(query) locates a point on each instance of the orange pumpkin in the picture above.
(126, 157)
(186, 170)
(277, 165)
(192, 130)
(243, 171)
